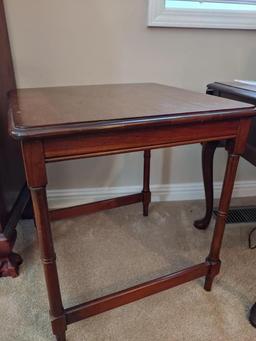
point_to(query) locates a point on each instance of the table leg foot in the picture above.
(9, 265)
(9, 261)
(252, 317)
(208, 283)
(146, 202)
(213, 271)
(145, 211)
(61, 337)
(202, 224)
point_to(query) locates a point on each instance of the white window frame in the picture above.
(161, 16)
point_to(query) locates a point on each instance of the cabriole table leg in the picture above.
(208, 151)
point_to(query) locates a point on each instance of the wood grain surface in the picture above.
(65, 110)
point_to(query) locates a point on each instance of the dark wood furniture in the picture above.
(65, 123)
(240, 92)
(13, 192)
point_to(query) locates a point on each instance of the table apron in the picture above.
(128, 140)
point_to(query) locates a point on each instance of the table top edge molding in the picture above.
(122, 124)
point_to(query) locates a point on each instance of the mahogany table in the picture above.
(239, 92)
(73, 122)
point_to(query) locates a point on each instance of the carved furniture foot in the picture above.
(9, 261)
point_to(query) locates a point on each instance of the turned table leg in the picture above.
(208, 151)
(146, 182)
(227, 189)
(48, 259)
(235, 148)
(37, 181)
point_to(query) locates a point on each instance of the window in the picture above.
(229, 14)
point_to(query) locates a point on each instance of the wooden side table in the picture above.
(72, 122)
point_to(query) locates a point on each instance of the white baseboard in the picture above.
(174, 192)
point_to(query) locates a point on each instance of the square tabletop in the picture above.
(75, 109)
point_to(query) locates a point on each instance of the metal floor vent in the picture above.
(238, 215)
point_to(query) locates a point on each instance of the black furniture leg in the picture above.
(252, 316)
(28, 212)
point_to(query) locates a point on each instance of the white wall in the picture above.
(63, 42)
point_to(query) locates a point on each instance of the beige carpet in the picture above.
(111, 250)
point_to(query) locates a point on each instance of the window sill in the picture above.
(160, 16)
